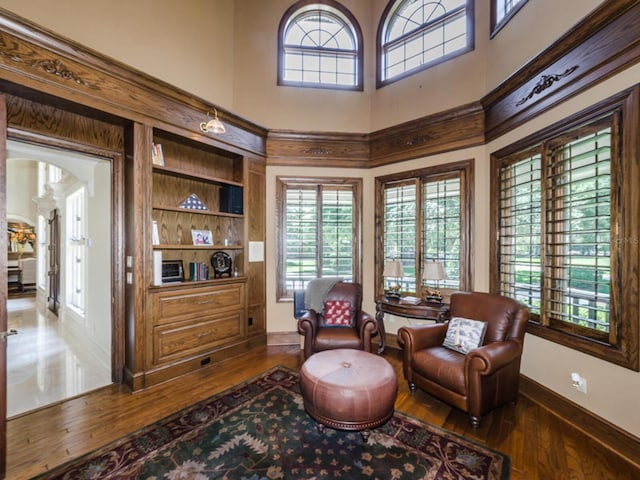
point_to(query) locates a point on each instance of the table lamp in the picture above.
(393, 269)
(433, 271)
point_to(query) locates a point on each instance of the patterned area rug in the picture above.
(259, 430)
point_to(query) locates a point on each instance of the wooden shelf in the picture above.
(200, 212)
(196, 247)
(199, 177)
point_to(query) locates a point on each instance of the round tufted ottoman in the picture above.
(348, 389)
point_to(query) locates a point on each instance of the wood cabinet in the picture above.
(200, 320)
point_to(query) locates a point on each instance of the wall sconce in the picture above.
(393, 269)
(433, 271)
(213, 125)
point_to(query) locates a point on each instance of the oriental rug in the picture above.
(259, 430)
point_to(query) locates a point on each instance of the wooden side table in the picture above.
(422, 311)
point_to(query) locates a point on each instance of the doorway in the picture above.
(64, 345)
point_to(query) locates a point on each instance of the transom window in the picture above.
(320, 45)
(426, 218)
(502, 11)
(318, 231)
(416, 34)
(562, 240)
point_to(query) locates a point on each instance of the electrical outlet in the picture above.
(580, 383)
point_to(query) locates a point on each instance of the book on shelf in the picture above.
(409, 300)
(155, 236)
(157, 156)
(198, 271)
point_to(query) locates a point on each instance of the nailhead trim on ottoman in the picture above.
(348, 389)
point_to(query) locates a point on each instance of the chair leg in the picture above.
(475, 421)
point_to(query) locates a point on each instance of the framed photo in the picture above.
(201, 237)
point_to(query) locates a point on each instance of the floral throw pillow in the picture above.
(337, 313)
(464, 334)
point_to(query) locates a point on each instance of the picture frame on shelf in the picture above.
(201, 237)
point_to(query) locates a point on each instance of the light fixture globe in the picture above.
(213, 125)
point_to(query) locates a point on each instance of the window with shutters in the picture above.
(425, 216)
(319, 229)
(563, 232)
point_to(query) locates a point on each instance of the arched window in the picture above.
(320, 45)
(502, 11)
(416, 34)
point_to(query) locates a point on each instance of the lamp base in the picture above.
(433, 299)
(392, 295)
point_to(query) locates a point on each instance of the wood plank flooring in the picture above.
(540, 445)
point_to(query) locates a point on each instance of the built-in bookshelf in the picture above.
(196, 315)
(196, 188)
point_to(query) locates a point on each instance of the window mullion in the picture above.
(319, 217)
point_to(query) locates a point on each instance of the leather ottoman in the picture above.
(348, 390)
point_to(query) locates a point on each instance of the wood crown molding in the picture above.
(35, 58)
(604, 43)
(347, 150)
(460, 127)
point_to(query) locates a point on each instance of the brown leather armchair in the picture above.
(484, 378)
(319, 336)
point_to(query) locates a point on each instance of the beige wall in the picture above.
(171, 40)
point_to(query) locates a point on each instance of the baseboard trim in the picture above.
(283, 338)
(603, 432)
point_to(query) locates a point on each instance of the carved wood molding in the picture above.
(346, 150)
(454, 129)
(450, 130)
(603, 44)
(546, 81)
(35, 58)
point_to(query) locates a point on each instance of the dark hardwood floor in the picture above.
(540, 445)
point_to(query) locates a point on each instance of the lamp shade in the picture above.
(214, 125)
(434, 271)
(393, 268)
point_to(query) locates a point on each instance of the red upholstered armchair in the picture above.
(485, 377)
(339, 322)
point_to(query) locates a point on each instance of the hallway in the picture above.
(45, 362)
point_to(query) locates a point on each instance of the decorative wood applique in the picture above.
(316, 151)
(545, 82)
(54, 67)
(414, 141)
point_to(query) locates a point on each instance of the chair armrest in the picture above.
(417, 337)
(308, 323)
(493, 356)
(365, 322)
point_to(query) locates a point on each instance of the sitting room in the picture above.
(445, 168)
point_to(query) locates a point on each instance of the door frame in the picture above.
(117, 159)
(3, 285)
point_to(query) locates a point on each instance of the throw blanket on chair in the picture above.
(316, 290)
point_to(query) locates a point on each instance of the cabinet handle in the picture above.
(204, 302)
